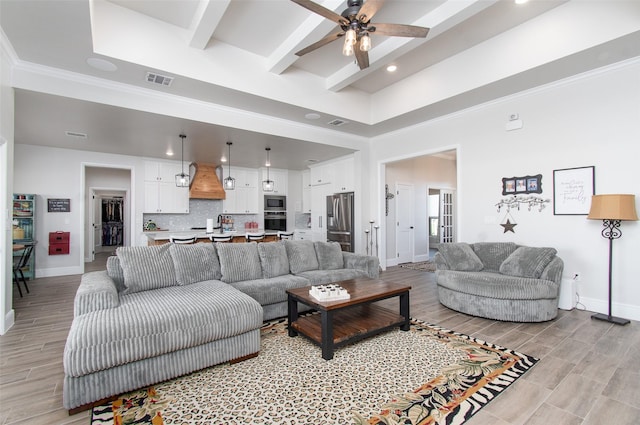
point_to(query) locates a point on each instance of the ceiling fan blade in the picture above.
(398, 30)
(369, 9)
(361, 57)
(328, 39)
(322, 11)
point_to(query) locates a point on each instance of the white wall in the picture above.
(58, 173)
(593, 119)
(6, 179)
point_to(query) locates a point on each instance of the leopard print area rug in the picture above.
(424, 376)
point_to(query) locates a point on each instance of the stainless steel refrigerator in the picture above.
(340, 219)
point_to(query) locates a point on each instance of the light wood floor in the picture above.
(589, 372)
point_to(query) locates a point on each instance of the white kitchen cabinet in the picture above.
(321, 174)
(244, 198)
(280, 180)
(343, 175)
(161, 195)
(319, 195)
(302, 235)
(306, 191)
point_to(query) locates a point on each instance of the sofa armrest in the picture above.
(553, 271)
(441, 263)
(97, 291)
(367, 263)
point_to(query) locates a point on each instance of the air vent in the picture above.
(162, 80)
(337, 122)
(76, 134)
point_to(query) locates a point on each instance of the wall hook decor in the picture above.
(387, 196)
(516, 200)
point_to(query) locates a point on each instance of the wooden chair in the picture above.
(19, 265)
(284, 235)
(220, 238)
(254, 237)
(182, 239)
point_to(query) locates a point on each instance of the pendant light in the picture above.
(182, 179)
(229, 183)
(268, 184)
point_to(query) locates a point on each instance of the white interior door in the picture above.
(404, 222)
(447, 216)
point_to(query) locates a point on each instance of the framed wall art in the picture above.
(522, 185)
(572, 190)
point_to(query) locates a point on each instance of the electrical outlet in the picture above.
(577, 276)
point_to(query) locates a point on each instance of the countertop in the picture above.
(201, 234)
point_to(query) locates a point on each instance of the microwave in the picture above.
(275, 203)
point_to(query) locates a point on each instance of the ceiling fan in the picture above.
(356, 26)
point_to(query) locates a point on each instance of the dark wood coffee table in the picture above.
(345, 321)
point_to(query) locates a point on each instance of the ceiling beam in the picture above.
(309, 31)
(205, 21)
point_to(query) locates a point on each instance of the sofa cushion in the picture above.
(152, 323)
(497, 286)
(527, 261)
(239, 261)
(302, 256)
(195, 263)
(270, 291)
(329, 255)
(460, 256)
(115, 272)
(273, 259)
(146, 267)
(492, 254)
(321, 277)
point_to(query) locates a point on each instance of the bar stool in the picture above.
(254, 237)
(285, 235)
(220, 238)
(182, 239)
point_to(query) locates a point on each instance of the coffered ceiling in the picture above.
(235, 75)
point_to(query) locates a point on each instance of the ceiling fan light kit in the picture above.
(182, 179)
(355, 27)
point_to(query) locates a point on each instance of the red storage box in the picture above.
(58, 243)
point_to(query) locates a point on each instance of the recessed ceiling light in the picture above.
(101, 64)
(312, 116)
(392, 68)
(169, 152)
(521, 1)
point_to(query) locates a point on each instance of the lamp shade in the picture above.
(613, 207)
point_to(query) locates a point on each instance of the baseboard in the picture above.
(9, 320)
(59, 271)
(631, 312)
(423, 257)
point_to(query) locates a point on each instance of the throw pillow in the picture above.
(329, 255)
(195, 263)
(146, 267)
(239, 261)
(460, 257)
(302, 256)
(115, 272)
(273, 258)
(527, 261)
(492, 254)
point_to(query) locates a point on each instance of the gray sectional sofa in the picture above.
(499, 280)
(163, 311)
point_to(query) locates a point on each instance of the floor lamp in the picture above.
(612, 209)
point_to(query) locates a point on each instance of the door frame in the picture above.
(379, 203)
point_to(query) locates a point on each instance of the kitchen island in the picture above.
(162, 237)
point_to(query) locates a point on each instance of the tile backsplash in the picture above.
(199, 211)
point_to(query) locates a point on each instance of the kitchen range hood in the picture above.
(205, 183)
